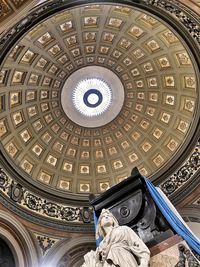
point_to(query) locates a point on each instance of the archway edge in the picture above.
(59, 250)
(24, 251)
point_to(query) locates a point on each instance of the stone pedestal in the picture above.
(166, 253)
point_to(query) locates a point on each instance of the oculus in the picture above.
(92, 97)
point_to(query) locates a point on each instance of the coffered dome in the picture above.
(92, 91)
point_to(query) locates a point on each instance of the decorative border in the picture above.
(27, 200)
(188, 18)
(184, 174)
(180, 12)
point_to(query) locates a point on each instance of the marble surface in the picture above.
(168, 257)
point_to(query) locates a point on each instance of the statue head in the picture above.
(106, 218)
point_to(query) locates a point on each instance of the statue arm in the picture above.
(138, 247)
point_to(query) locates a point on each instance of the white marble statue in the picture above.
(120, 246)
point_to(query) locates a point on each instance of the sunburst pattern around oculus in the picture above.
(92, 97)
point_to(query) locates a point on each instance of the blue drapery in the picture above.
(172, 219)
(170, 216)
(98, 240)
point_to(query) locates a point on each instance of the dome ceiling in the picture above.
(49, 149)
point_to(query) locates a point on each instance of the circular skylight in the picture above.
(92, 97)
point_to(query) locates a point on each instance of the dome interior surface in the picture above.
(157, 115)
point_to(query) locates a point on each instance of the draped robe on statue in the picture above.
(121, 247)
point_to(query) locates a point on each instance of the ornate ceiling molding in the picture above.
(43, 211)
(94, 160)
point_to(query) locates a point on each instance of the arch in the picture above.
(18, 240)
(55, 254)
(191, 216)
(6, 255)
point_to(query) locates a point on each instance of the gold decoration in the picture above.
(84, 169)
(64, 184)
(135, 72)
(108, 37)
(183, 58)
(33, 79)
(165, 117)
(190, 82)
(84, 187)
(63, 59)
(148, 67)
(58, 146)
(44, 177)
(146, 146)
(183, 126)
(54, 50)
(104, 186)
(152, 82)
(11, 149)
(46, 137)
(51, 160)
(66, 26)
(117, 164)
(158, 160)
(72, 40)
(28, 57)
(136, 31)
(157, 133)
(133, 157)
(67, 166)
(45, 39)
(124, 43)
(90, 21)
(15, 98)
(42, 62)
(25, 135)
(18, 118)
(18, 77)
(164, 62)
(112, 151)
(71, 152)
(90, 36)
(138, 53)
(172, 145)
(101, 168)
(169, 37)
(169, 81)
(153, 45)
(115, 23)
(27, 166)
(37, 125)
(37, 149)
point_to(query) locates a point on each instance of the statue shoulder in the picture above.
(126, 228)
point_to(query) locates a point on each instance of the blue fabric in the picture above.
(98, 241)
(172, 219)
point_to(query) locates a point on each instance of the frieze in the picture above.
(185, 173)
(184, 15)
(44, 207)
(27, 200)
